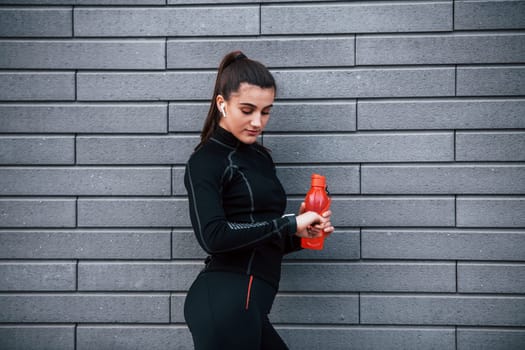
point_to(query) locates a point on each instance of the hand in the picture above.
(312, 225)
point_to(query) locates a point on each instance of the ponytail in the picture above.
(234, 69)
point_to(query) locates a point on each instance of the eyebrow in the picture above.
(252, 105)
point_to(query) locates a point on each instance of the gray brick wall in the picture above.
(414, 110)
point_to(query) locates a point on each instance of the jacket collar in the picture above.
(225, 137)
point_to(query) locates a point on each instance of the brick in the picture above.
(34, 212)
(177, 181)
(84, 307)
(170, 21)
(442, 114)
(135, 149)
(491, 278)
(37, 149)
(85, 244)
(490, 146)
(145, 86)
(137, 276)
(314, 116)
(494, 211)
(455, 48)
(370, 338)
(315, 308)
(132, 212)
(185, 246)
(369, 277)
(356, 18)
(297, 308)
(490, 339)
(343, 179)
(365, 82)
(491, 14)
(37, 276)
(461, 310)
(443, 179)
(104, 181)
(343, 244)
(82, 54)
(443, 244)
(37, 86)
(279, 52)
(187, 116)
(395, 211)
(130, 337)
(83, 118)
(37, 337)
(361, 147)
(36, 22)
(491, 81)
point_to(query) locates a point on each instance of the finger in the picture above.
(327, 214)
(329, 229)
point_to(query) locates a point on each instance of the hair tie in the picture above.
(240, 56)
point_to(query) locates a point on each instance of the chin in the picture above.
(249, 140)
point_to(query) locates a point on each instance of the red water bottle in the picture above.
(316, 200)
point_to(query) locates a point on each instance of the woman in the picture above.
(236, 208)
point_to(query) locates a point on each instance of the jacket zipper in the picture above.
(250, 281)
(249, 291)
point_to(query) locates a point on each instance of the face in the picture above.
(247, 111)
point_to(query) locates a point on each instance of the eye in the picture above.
(247, 111)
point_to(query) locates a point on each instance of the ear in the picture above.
(220, 102)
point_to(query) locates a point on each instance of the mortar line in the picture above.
(456, 210)
(453, 17)
(358, 307)
(360, 178)
(75, 337)
(76, 277)
(456, 337)
(167, 118)
(356, 114)
(260, 18)
(355, 50)
(76, 211)
(171, 244)
(169, 307)
(73, 21)
(454, 143)
(457, 277)
(455, 80)
(75, 149)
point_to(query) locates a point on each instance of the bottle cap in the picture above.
(318, 180)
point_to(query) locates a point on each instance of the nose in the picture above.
(256, 120)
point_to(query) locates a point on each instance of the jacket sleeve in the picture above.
(214, 232)
(292, 244)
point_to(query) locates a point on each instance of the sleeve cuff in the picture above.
(291, 227)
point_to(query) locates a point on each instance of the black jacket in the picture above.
(236, 205)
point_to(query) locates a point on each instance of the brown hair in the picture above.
(235, 68)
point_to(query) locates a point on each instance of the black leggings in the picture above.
(226, 310)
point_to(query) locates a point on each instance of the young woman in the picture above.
(236, 207)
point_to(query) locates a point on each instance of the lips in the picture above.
(253, 132)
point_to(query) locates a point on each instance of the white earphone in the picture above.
(222, 110)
